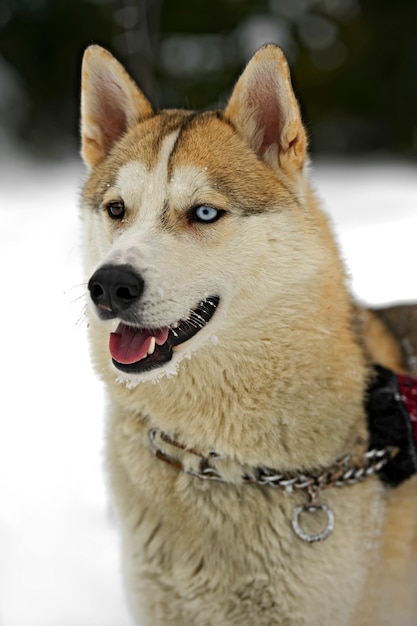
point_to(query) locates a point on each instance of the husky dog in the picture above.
(237, 367)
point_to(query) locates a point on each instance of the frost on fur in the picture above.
(154, 376)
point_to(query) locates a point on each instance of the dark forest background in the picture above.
(354, 63)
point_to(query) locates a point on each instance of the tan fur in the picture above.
(276, 378)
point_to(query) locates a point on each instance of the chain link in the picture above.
(337, 475)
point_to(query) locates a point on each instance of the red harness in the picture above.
(408, 390)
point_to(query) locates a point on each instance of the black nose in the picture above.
(115, 288)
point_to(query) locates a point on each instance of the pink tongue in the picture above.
(129, 345)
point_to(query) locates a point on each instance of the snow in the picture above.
(58, 543)
(374, 210)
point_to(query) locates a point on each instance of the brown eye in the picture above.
(116, 210)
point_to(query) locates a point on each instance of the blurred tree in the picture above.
(353, 62)
(41, 41)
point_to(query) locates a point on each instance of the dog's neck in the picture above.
(257, 409)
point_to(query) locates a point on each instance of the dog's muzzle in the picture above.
(116, 291)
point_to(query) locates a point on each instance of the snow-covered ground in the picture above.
(58, 544)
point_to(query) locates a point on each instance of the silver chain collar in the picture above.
(339, 474)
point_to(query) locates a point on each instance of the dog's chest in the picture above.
(217, 554)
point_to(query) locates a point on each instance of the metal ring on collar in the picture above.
(313, 508)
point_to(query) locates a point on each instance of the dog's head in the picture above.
(196, 223)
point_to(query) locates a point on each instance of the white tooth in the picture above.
(175, 325)
(151, 348)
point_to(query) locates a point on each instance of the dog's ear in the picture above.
(264, 110)
(110, 104)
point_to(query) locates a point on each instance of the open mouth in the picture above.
(136, 350)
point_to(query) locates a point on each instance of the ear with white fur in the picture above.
(110, 104)
(264, 110)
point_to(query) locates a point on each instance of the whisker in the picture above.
(197, 320)
(80, 301)
(79, 286)
(82, 318)
(77, 299)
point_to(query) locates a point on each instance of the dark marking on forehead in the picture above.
(185, 124)
(194, 121)
(165, 212)
(144, 141)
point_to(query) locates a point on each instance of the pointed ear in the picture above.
(110, 104)
(264, 110)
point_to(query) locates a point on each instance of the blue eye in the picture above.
(206, 214)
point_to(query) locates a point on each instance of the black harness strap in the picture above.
(392, 418)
